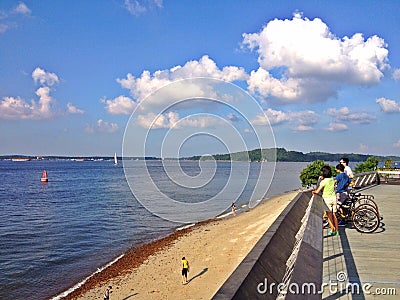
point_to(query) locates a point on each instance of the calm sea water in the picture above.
(55, 234)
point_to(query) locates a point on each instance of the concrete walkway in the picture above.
(372, 260)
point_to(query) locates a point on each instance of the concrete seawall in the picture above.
(273, 259)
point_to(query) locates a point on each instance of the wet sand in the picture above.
(214, 249)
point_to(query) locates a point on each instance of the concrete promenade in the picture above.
(369, 260)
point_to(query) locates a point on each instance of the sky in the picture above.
(86, 78)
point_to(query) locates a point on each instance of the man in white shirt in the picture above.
(347, 170)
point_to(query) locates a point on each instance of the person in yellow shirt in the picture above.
(327, 186)
(185, 270)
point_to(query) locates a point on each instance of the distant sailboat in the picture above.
(115, 159)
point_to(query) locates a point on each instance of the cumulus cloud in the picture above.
(12, 108)
(16, 108)
(102, 126)
(73, 109)
(172, 120)
(299, 121)
(147, 83)
(397, 144)
(345, 115)
(396, 74)
(313, 62)
(22, 9)
(337, 127)
(276, 116)
(136, 7)
(388, 106)
(154, 121)
(120, 105)
(43, 77)
(306, 117)
(303, 128)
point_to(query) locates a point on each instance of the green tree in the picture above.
(309, 175)
(388, 163)
(369, 165)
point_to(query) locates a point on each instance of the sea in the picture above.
(54, 235)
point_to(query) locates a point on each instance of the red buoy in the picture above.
(44, 177)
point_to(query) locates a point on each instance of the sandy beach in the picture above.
(214, 249)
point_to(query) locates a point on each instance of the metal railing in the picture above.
(363, 180)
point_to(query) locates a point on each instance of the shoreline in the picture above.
(125, 262)
(120, 270)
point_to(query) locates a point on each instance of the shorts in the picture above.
(341, 197)
(184, 272)
(331, 203)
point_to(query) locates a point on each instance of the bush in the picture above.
(309, 175)
(369, 165)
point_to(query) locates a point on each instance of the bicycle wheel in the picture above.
(365, 219)
(366, 200)
(368, 206)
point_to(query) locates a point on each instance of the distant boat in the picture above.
(20, 159)
(44, 177)
(115, 159)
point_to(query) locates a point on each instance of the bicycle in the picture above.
(361, 211)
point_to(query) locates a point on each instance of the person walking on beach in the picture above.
(327, 187)
(185, 270)
(106, 295)
(233, 206)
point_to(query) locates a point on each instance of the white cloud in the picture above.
(45, 101)
(120, 105)
(44, 78)
(306, 117)
(397, 144)
(233, 118)
(396, 74)
(172, 120)
(336, 127)
(303, 128)
(148, 83)
(73, 109)
(200, 121)
(276, 116)
(299, 121)
(154, 121)
(388, 106)
(136, 7)
(102, 126)
(345, 115)
(12, 108)
(16, 108)
(309, 55)
(22, 9)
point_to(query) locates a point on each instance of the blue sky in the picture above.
(325, 74)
